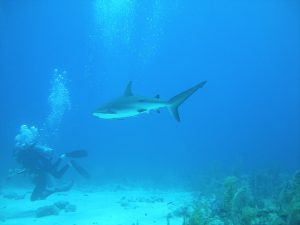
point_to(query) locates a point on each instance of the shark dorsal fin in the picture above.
(128, 91)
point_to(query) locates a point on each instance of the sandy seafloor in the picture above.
(97, 206)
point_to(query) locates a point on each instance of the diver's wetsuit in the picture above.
(39, 163)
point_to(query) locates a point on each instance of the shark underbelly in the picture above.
(127, 112)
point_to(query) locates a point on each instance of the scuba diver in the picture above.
(38, 161)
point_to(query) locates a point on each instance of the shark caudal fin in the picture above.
(177, 100)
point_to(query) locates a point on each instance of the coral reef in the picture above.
(47, 211)
(61, 204)
(66, 206)
(290, 200)
(248, 214)
(265, 198)
(55, 209)
(230, 189)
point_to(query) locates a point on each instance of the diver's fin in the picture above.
(128, 91)
(77, 154)
(177, 100)
(80, 169)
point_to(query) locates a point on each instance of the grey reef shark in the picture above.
(129, 105)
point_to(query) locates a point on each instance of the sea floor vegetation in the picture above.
(268, 198)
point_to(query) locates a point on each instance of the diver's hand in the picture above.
(14, 172)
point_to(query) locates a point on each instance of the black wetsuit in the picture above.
(40, 165)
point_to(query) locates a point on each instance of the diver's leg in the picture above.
(41, 194)
(41, 190)
(64, 188)
(40, 181)
(43, 187)
(57, 163)
(55, 172)
(59, 173)
(36, 194)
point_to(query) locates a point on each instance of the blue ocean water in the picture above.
(248, 51)
(246, 118)
(250, 56)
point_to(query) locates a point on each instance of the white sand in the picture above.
(98, 206)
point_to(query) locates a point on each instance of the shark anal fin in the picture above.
(141, 110)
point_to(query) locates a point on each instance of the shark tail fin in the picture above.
(177, 100)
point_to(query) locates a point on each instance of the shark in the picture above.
(130, 105)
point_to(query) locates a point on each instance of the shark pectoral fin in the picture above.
(157, 96)
(158, 111)
(141, 110)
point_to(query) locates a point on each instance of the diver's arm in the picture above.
(15, 172)
(44, 150)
